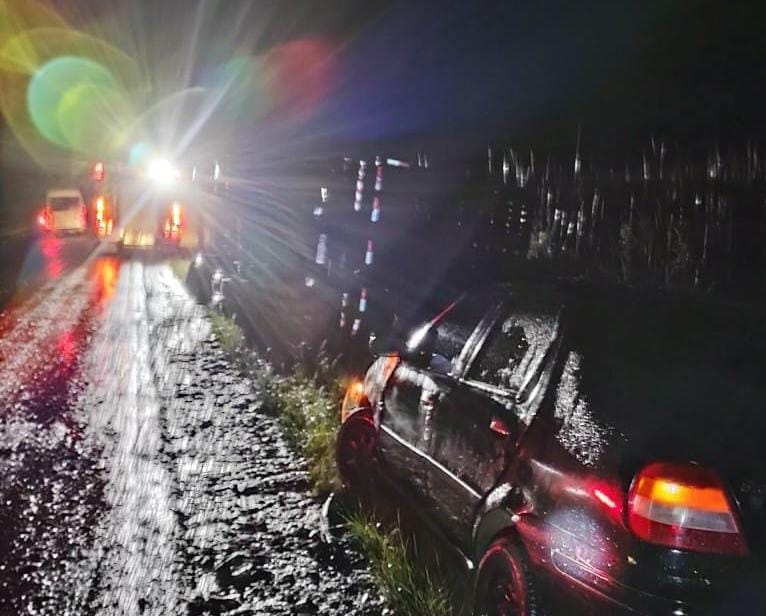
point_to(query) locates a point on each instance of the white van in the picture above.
(65, 210)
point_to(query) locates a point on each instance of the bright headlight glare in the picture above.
(162, 171)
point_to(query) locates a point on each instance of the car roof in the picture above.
(663, 375)
(591, 297)
(54, 193)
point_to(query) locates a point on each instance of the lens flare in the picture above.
(139, 153)
(64, 97)
(299, 74)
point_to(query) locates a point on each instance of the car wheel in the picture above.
(504, 583)
(356, 449)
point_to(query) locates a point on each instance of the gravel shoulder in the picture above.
(167, 489)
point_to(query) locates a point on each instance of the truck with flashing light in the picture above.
(148, 209)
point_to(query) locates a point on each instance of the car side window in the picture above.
(517, 344)
(455, 327)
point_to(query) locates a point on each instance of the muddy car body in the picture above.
(600, 452)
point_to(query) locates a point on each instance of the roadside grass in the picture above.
(310, 414)
(307, 402)
(229, 334)
(409, 589)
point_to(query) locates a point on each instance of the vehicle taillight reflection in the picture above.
(604, 499)
(609, 497)
(105, 273)
(67, 347)
(50, 246)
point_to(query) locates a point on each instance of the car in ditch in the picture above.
(584, 450)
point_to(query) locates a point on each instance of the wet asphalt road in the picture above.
(137, 473)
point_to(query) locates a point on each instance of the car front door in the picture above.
(477, 424)
(413, 391)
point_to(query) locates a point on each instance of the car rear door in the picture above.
(406, 429)
(480, 416)
(67, 212)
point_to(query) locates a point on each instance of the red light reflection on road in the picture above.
(104, 275)
(54, 262)
(67, 347)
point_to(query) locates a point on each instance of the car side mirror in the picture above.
(417, 349)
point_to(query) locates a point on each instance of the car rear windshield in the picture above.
(64, 203)
(672, 358)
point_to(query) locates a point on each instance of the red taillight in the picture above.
(684, 506)
(45, 219)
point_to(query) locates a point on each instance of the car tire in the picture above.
(356, 450)
(505, 584)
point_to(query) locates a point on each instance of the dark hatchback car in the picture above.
(584, 451)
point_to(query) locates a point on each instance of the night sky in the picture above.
(619, 68)
(498, 71)
(506, 68)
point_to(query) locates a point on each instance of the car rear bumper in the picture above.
(566, 595)
(63, 230)
(576, 581)
(138, 239)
